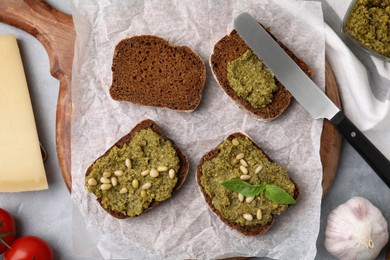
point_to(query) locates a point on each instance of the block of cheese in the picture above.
(21, 165)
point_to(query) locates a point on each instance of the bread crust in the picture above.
(245, 230)
(231, 47)
(181, 174)
(148, 70)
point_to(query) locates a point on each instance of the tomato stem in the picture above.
(4, 243)
(4, 235)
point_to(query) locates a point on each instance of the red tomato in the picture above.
(7, 230)
(29, 247)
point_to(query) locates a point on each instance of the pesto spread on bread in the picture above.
(129, 179)
(369, 22)
(251, 79)
(240, 159)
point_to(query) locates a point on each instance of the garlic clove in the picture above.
(356, 230)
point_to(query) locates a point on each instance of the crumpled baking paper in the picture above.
(184, 226)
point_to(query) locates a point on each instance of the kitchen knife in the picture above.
(306, 92)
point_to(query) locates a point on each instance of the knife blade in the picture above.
(306, 92)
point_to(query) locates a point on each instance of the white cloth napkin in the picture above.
(363, 81)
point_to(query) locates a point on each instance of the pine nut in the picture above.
(105, 180)
(248, 216)
(105, 186)
(258, 169)
(171, 173)
(243, 169)
(162, 168)
(249, 199)
(259, 214)
(135, 184)
(118, 173)
(241, 197)
(143, 193)
(243, 163)
(114, 181)
(123, 191)
(245, 177)
(144, 173)
(154, 173)
(128, 163)
(92, 182)
(146, 186)
(235, 142)
(240, 156)
(107, 174)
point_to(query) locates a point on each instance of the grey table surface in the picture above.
(354, 177)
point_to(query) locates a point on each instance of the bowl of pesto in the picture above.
(367, 24)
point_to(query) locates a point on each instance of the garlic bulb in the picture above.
(356, 230)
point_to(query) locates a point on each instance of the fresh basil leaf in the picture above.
(243, 187)
(278, 195)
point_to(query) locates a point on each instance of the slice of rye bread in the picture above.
(230, 48)
(148, 70)
(181, 174)
(245, 230)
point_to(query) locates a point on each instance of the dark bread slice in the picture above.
(231, 47)
(181, 174)
(148, 70)
(245, 230)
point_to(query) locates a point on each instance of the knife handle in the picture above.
(378, 162)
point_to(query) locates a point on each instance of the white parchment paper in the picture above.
(184, 227)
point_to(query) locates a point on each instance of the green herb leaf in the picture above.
(278, 195)
(243, 187)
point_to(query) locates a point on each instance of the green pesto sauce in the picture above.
(225, 167)
(146, 150)
(251, 80)
(369, 24)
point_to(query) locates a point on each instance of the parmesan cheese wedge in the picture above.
(21, 165)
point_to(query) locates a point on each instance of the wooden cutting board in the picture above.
(56, 32)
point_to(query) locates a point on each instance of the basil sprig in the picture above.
(271, 192)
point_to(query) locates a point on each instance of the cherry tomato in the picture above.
(7, 230)
(29, 247)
